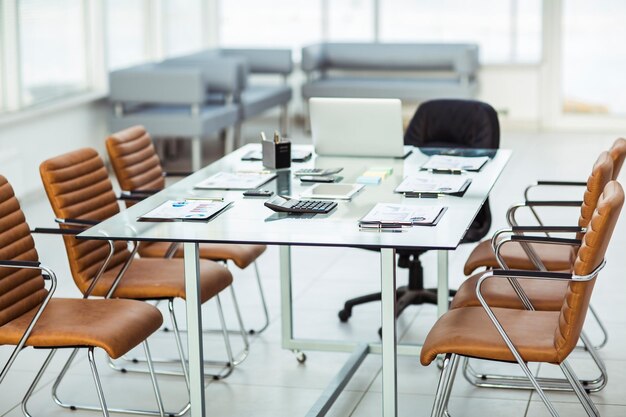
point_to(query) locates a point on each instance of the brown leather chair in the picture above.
(543, 296)
(536, 255)
(30, 316)
(554, 258)
(517, 335)
(81, 193)
(139, 172)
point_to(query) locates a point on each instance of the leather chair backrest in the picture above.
(78, 187)
(590, 256)
(452, 123)
(134, 159)
(21, 290)
(601, 174)
(618, 153)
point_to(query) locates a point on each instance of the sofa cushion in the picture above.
(403, 89)
(259, 98)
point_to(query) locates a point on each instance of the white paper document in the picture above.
(186, 210)
(398, 215)
(455, 163)
(425, 182)
(236, 180)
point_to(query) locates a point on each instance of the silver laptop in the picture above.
(357, 127)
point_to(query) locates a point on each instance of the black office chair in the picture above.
(458, 125)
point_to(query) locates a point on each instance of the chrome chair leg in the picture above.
(64, 404)
(444, 387)
(483, 380)
(226, 367)
(33, 385)
(584, 399)
(605, 333)
(155, 384)
(96, 380)
(263, 302)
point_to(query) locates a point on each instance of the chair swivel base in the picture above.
(404, 297)
(412, 294)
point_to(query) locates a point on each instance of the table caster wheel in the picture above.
(300, 356)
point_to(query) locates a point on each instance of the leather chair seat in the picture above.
(469, 332)
(116, 326)
(498, 292)
(150, 279)
(554, 257)
(241, 255)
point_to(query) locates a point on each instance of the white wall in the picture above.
(514, 92)
(27, 142)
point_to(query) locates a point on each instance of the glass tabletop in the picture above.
(247, 220)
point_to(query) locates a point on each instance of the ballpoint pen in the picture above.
(447, 171)
(276, 137)
(422, 195)
(263, 138)
(205, 199)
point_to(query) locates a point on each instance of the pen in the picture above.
(422, 195)
(276, 137)
(205, 199)
(253, 172)
(263, 136)
(447, 171)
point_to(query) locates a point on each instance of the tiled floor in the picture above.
(272, 383)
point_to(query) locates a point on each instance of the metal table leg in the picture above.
(389, 340)
(443, 288)
(194, 332)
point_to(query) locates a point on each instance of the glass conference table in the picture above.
(249, 221)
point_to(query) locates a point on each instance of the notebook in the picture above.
(173, 210)
(236, 180)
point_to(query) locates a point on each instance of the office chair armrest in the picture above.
(53, 231)
(532, 204)
(102, 269)
(513, 275)
(77, 222)
(558, 183)
(177, 174)
(534, 229)
(51, 276)
(530, 252)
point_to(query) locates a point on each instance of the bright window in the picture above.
(126, 32)
(351, 20)
(594, 57)
(182, 22)
(280, 24)
(52, 44)
(506, 31)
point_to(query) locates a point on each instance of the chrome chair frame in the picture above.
(450, 363)
(51, 276)
(512, 221)
(87, 294)
(517, 382)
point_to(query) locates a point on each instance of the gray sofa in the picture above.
(255, 98)
(410, 72)
(201, 94)
(172, 100)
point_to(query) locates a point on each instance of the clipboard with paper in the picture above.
(424, 182)
(385, 215)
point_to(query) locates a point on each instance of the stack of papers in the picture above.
(173, 210)
(236, 180)
(424, 182)
(455, 163)
(398, 215)
(297, 155)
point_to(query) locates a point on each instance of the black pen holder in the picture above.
(276, 155)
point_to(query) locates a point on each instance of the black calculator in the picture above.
(291, 205)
